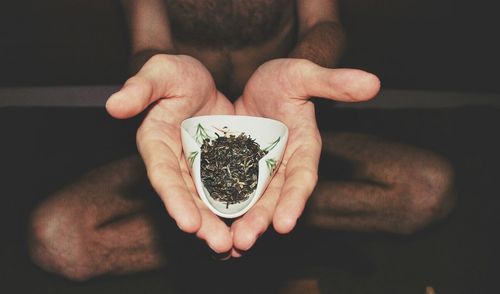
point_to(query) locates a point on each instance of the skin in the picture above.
(394, 188)
(297, 81)
(186, 89)
(288, 83)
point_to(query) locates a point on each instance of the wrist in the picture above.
(322, 44)
(139, 58)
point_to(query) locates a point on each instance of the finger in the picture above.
(346, 85)
(255, 222)
(132, 98)
(300, 179)
(214, 231)
(165, 175)
(148, 85)
(250, 227)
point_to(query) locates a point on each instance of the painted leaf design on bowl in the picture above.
(272, 145)
(271, 165)
(191, 157)
(201, 134)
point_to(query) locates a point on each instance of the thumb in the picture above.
(342, 84)
(132, 98)
(147, 86)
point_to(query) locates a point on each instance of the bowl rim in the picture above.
(248, 117)
(245, 117)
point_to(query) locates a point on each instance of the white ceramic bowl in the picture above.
(271, 135)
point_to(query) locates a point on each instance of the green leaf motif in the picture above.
(272, 145)
(271, 165)
(201, 134)
(191, 157)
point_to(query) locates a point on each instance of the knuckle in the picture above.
(167, 64)
(302, 64)
(162, 59)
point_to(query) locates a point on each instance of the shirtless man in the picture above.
(272, 56)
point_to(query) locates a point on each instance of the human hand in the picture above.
(280, 89)
(174, 87)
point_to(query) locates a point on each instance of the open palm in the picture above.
(174, 87)
(280, 89)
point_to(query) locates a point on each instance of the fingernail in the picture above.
(237, 253)
(221, 256)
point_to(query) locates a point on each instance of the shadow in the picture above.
(43, 149)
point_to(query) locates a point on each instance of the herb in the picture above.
(230, 167)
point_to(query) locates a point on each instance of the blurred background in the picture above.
(440, 46)
(411, 44)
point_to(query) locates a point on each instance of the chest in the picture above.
(228, 22)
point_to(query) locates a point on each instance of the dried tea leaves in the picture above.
(230, 167)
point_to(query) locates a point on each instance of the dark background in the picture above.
(412, 44)
(424, 45)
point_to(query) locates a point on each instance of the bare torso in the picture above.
(232, 38)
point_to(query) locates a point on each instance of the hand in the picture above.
(175, 87)
(280, 89)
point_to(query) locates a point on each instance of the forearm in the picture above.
(322, 44)
(149, 30)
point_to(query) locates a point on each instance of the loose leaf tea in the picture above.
(230, 167)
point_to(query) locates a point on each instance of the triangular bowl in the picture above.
(271, 135)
